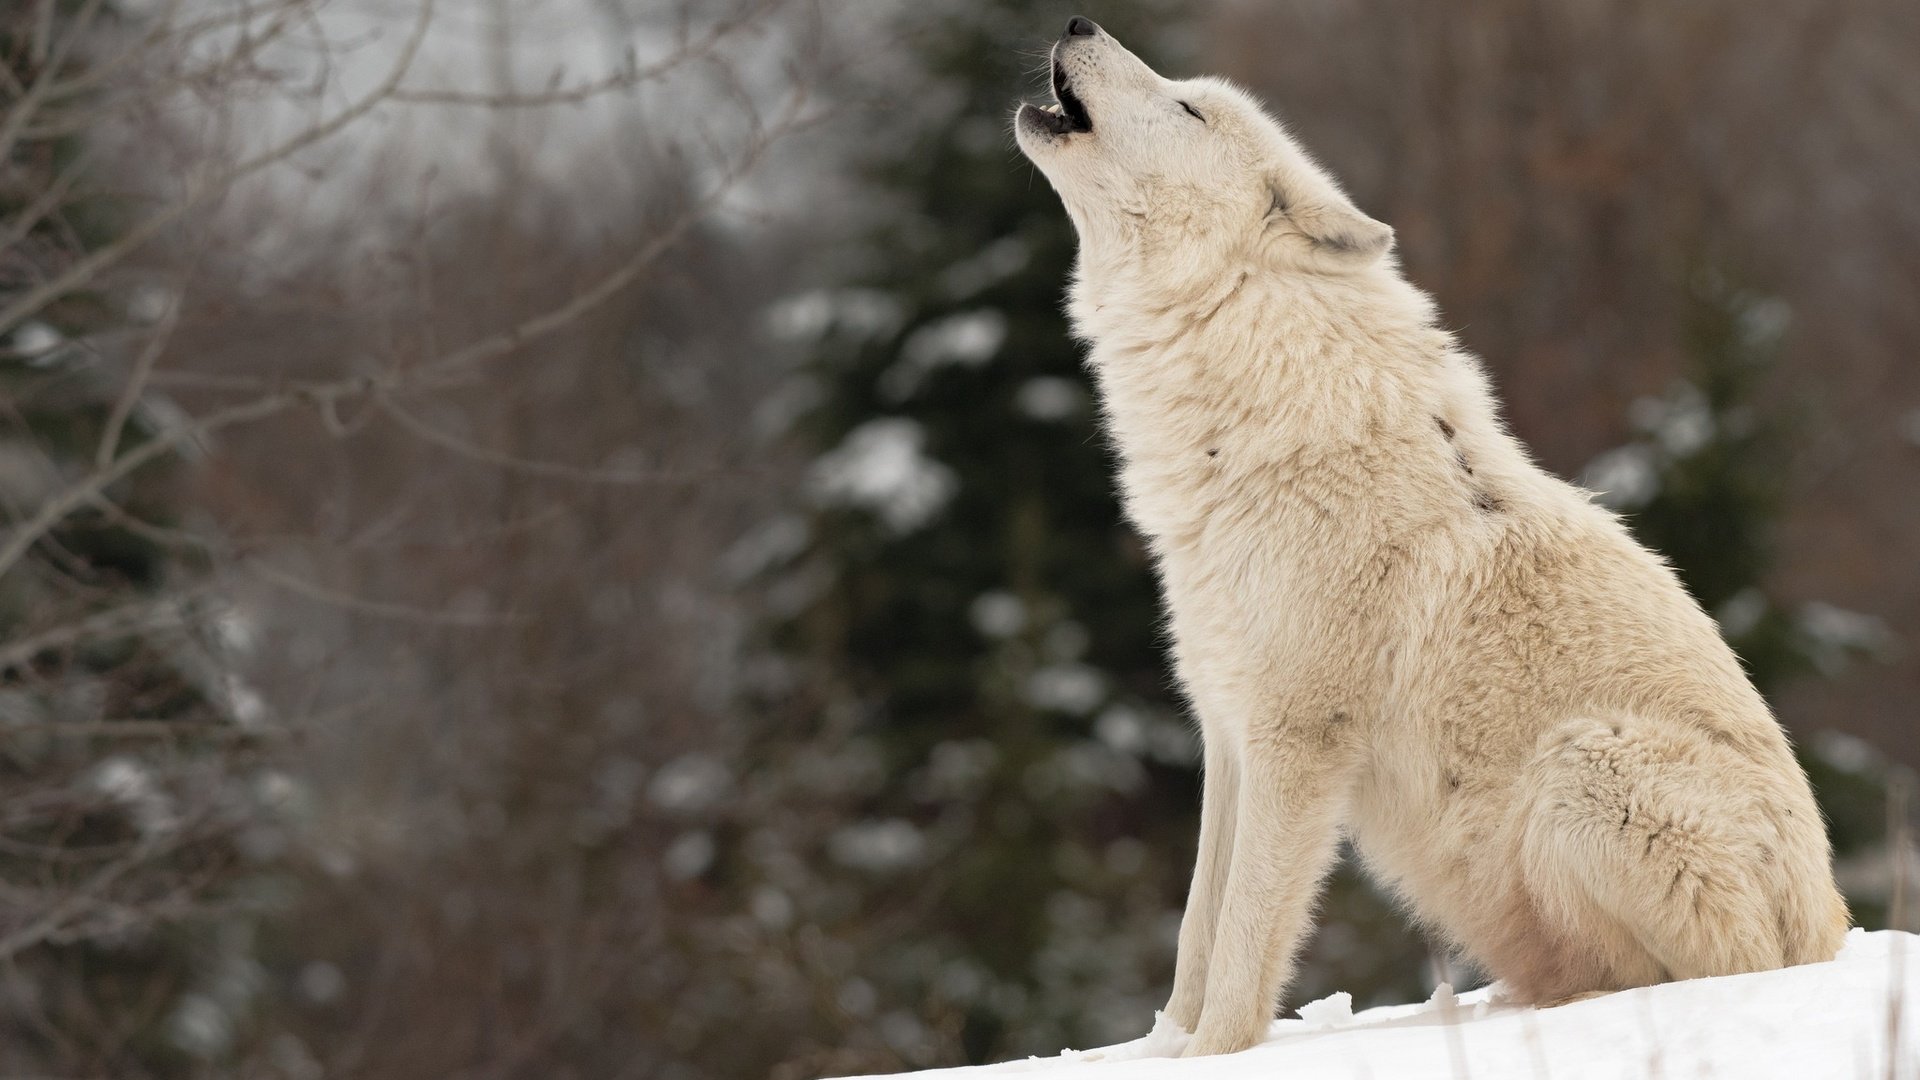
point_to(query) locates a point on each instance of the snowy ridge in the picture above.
(1804, 1023)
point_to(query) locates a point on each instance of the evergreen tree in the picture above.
(128, 800)
(984, 622)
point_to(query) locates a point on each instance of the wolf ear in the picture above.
(1324, 229)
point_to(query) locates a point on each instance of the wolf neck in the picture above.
(1232, 314)
(1265, 371)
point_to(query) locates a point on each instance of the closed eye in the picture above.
(1193, 112)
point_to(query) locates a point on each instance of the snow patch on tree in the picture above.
(881, 467)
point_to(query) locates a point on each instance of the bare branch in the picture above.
(443, 371)
(446, 370)
(136, 385)
(558, 470)
(43, 80)
(49, 200)
(70, 907)
(440, 372)
(136, 236)
(628, 77)
(180, 38)
(125, 619)
(384, 609)
(56, 508)
(144, 729)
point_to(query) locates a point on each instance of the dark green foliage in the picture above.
(1718, 459)
(982, 640)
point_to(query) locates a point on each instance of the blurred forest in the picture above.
(568, 538)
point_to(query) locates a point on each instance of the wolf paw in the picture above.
(1207, 1043)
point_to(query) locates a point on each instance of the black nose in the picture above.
(1081, 27)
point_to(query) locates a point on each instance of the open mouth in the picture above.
(1072, 109)
(1068, 115)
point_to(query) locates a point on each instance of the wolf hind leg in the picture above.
(1650, 845)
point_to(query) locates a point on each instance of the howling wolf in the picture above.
(1394, 627)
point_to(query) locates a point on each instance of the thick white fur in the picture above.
(1393, 626)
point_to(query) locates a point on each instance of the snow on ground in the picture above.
(1803, 1023)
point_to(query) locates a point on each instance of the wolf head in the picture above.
(1145, 163)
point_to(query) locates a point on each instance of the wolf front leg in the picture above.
(1292, 784)
(1219, 810)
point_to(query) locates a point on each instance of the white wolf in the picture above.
(1394, 626)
